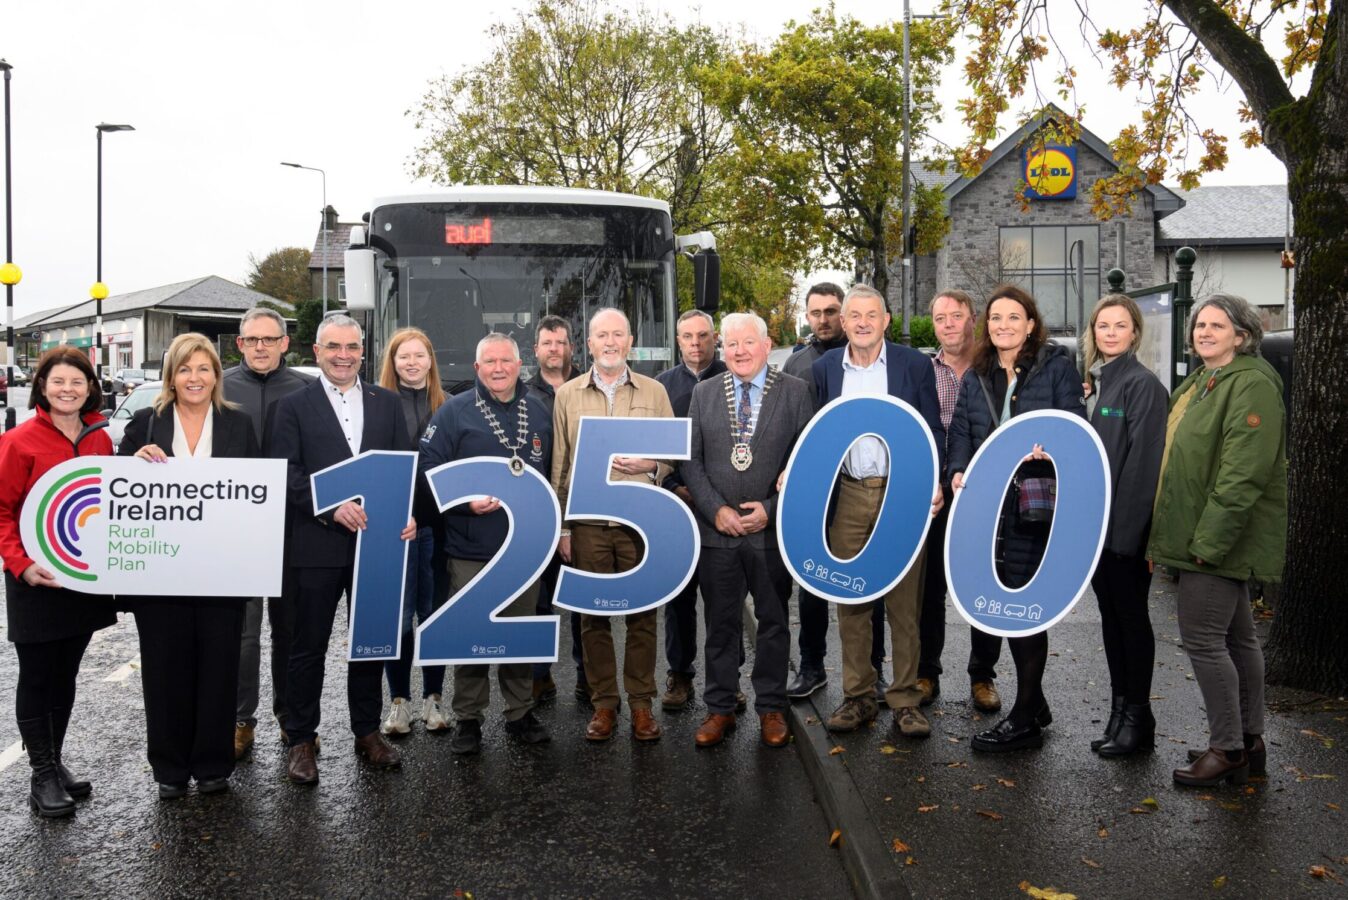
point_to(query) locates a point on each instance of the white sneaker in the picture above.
(433, 714)
(399, 720)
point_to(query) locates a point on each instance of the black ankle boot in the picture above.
(1112, 726)
(46, 795)
(75, 787)
(1137, 731)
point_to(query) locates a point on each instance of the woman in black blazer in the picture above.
(189, 646)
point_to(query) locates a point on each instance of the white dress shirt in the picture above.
(868, 457)
(180, 448)
(349, 408)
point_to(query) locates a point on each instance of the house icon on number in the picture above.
(859, 585)
(1036, 612)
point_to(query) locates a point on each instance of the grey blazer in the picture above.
(713, 481)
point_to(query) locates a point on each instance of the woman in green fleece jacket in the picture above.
(1221, 519)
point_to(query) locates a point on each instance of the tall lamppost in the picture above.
(9, 273)
(99, 291)
(325, 226)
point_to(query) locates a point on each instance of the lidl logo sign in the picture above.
(63, 513)
(120, 525)
(1051, 172)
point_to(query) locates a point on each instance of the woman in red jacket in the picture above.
(49, 625)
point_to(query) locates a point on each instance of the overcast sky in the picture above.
(220, 94)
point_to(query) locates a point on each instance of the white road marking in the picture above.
(13, 753)
(124, 671)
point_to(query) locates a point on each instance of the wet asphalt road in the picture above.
(571, 819)
(977, 825)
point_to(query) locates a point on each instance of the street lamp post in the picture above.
(9, 273)
(99, 291)
(325, 226)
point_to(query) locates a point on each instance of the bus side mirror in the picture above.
(360, 272)
(707, 281)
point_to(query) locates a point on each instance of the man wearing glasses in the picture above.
(255, 384)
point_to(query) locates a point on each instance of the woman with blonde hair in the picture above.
(189, 646)
(409, 370)
(1126, 406)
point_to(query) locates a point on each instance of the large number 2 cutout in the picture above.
(905, 514)
(382, 480)
(1075, 537)
(466, 629)
(666, 526)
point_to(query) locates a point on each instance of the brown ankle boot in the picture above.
(1213, 768)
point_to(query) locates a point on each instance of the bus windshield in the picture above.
(458, 272)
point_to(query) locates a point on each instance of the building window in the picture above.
(341, 289)
(1042, 259)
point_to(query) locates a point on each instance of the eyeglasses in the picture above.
(333, 347)
(264, 341)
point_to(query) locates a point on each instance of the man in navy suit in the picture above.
(329, 420)
(869, 364)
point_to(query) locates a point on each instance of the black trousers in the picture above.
(726, 576)
(984, 649)
(1121, 585)
(189, 657)
(47, 673)
(318, 591)
(681, 630)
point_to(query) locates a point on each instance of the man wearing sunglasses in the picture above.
(259, 380)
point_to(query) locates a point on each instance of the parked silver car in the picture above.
(139, 398)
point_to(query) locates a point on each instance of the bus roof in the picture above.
(510, 193)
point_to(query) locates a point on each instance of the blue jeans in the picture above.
(418, 599)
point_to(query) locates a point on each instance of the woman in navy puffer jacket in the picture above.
(1016, 369)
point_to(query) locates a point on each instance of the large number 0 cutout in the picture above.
(1075, 537)
(905, 514)
(666, 526)
(382, 480)
(466, 629)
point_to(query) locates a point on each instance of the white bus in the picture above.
(470, 260)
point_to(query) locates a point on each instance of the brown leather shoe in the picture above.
(930, 690)
(601, 724)
(678, 691)
(775, 732)
(1213, 768)
(378, 752)
(644, 726)
(301, 767)
(714, 728)
(985, 696)
(243, 739)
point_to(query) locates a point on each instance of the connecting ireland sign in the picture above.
(121, 525)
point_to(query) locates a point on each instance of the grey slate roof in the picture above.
(1227, 214)
(339, 238)
(207, 293)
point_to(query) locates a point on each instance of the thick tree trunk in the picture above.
(1306, 647)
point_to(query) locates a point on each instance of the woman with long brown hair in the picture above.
(409, 369)
(189, 646)
(1016, 369)
(49, 625)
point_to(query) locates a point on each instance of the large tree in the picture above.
(576, 95)
(1289, 58)
(284, 274)
(819, 125)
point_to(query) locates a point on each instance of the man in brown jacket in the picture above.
(610, 388)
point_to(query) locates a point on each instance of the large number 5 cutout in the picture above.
(666, 525)
(466, 629)
(382, 480)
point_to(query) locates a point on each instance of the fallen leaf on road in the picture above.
(1047, 893)
(887, 749)
(156, 845)
(989, 814)
(921, 779)
(980, 787)
(1206, 797)
(957, 765)
(901, 847)
(836, 750)
(1324, 739)
(1219, 882)
(835, 837)
(1006, 782)
(1325, 873)
(953, 740)
(927, 809)
(1151, 802)
(887, 799)
(1333, 806)
(1103, 832)
(910, 861)
(1140, 811)
(1090, 862)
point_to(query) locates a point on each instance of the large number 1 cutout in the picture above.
(382, 480)
(1075, 537)
(666, 526)
(905, 513)
(466, 629)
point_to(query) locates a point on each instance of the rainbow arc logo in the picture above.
(62, 515)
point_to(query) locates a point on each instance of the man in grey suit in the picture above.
(745, 424)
